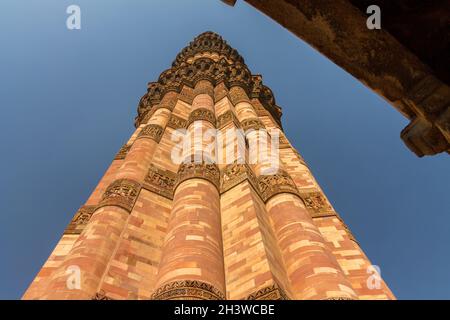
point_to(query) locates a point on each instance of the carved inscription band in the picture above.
(280, 182)
(188, 290)
(176, 122)
(202, 114)
(207, 171)
(122, 193)
(160, 181)
(80, 220)
(226, 118)
(252, 124)
(151, 131)
(234, 174)
(273, 292)
(122, 152)
(317, 204)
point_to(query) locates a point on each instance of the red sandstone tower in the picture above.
(205, 228)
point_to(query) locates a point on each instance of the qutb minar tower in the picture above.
(208, 200)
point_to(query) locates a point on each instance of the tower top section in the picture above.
(208, 42)
(207, 57)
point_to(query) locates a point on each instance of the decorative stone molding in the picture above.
(188, 290)
(319, 207)
(122, 152)
(233, 76)
(259, 109)
(225, 72)
(429, 98)
(272, 292)
(187, 94)
(423, 138)
(147, 115)
(207, 171)
(204, 87)
(202, 114)
(151, 131)
(177, 122)
(226, 118)
(80, 220)
(208, 42)
(284, 142)
(220, 92)
(264, 95)
(101, 295)
(339, 298)
(317, 204)
(122, 193)
(281, 182)
(160, 181)
(252, 124)
(169, 101)
(234, 174)
(237, 95)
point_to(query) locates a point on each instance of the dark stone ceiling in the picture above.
(420, 25)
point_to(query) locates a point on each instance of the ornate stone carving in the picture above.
(280, 182)
(202, 114)
(80, 220)
(215, 62)
(187, 94)
(252, 124)
(122, 152)
(317, 204)
(188, 290)
(235, 173)
(260, 110)
(152, 131)
(207, 171)
(169, 101)
(101, 295)
(339, 298)
(147, 115)
(233, 76)
(122, 193)
(176, 122)
(184, 76)
(208, 42)
(160, 181)
(220, 92)
(226, 118)
(283, 142)
(204, 87)
(238, 94)
(265, 96)
(272, 292)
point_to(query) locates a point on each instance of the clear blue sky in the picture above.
(68, 99)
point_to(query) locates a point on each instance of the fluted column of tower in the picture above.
(192, 252)
(312, 270)
(175, 217)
